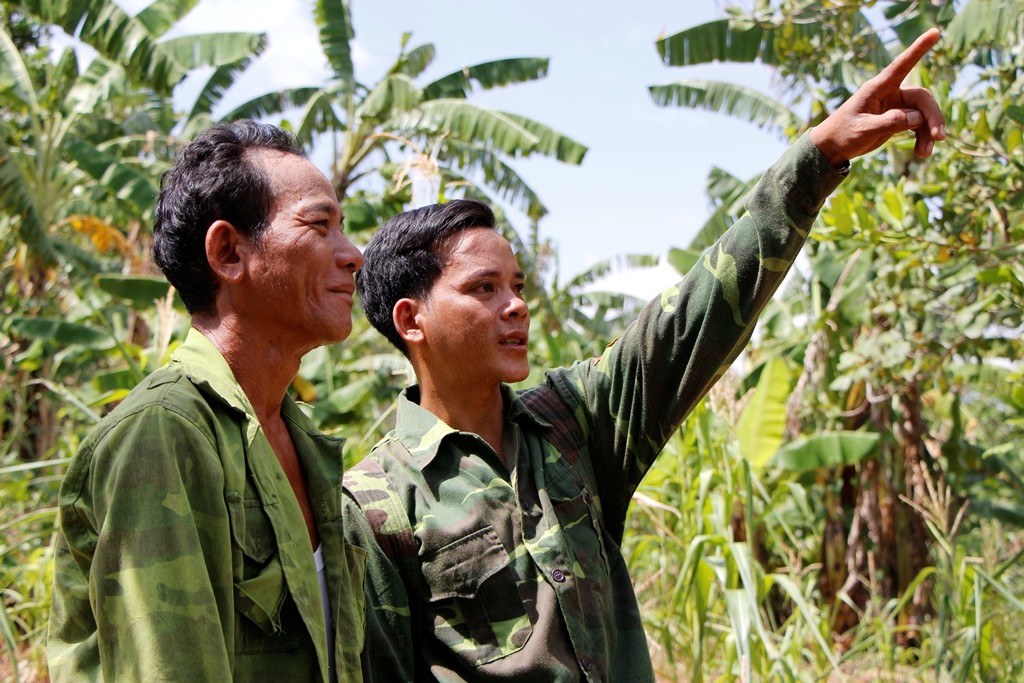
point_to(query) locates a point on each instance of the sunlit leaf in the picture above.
(469, 122)
(116, 35)
(763, 420)
(487, 75)
(140, 290)
(335, 23)
(350, 396)
(160, 16)
(550, 142)
(394, 92)
(122, 380)
(826, 450)
(120, 180)
(61, 332)
(214, 49)
(683, 259)
(980, 24)
(741, 102)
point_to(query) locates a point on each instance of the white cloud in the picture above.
(642, 283)
(364, 60)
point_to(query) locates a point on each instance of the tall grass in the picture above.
(725, 566)
(28, 495)
(724, 560)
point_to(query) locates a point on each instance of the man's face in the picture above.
(475, 321)
(303, 269)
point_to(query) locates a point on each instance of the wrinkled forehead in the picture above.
(294, 179)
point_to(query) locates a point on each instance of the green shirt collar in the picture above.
(204, 365)
(422, 432)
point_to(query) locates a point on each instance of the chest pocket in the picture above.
(474, 599)
(584, 536)
(266, 617)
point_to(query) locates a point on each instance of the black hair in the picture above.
(213, 178)
(405, 256)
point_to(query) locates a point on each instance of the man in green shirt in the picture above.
(497, 515)
(195, 517)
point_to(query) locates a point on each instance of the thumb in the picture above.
(897, 120)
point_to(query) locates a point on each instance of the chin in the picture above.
(517, 375)
(333, 335)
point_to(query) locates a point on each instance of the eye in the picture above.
(519, 287)
(486, 287)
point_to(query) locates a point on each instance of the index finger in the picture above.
(908, 59)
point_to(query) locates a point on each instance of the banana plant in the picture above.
(88, 141)
(911, 296)
(380, 126)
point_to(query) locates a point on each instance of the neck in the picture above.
(261, 367)
(480, 412)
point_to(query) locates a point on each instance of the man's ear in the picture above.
(226, 251)
(405, 315)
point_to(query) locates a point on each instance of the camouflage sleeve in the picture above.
(143, 573)
(637, 393)
(388, 649)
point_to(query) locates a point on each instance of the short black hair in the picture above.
(213, 178)
(404, 258)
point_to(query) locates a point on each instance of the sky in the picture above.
(640, 189)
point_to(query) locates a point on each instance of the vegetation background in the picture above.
(847, 504)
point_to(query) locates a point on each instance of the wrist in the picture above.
(830, 150)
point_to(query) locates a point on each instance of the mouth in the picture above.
(513, 340)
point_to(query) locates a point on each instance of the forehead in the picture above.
(475, 247)
(293, 178)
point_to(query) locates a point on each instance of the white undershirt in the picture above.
(321, 574)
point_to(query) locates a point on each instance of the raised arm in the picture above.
(881, 108)
(636, 395)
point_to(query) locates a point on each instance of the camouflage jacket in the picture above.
(518, 575)
(183, 554)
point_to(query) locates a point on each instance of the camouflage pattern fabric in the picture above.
(518, 575)
(183, 554)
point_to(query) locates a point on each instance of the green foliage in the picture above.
(716, 560)
(762, 422)
(399, 131)
(745, 104)
(27, 499)
(887, 375)
(906, 323)
(722, 559)
(827, 450)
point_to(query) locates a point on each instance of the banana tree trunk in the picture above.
(886, 544)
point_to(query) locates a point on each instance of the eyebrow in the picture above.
(519, 274)
(317, 208)
(321, 207)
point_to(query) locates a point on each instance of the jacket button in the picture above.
(558, 575)
(586, 663)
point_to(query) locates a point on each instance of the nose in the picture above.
(516, 306)
(348, 256)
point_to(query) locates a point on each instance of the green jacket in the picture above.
(183, 554)
(517, 575)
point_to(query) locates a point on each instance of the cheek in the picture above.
(458, 330)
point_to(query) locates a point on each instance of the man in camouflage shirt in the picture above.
(194, 518)
(497, 514)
